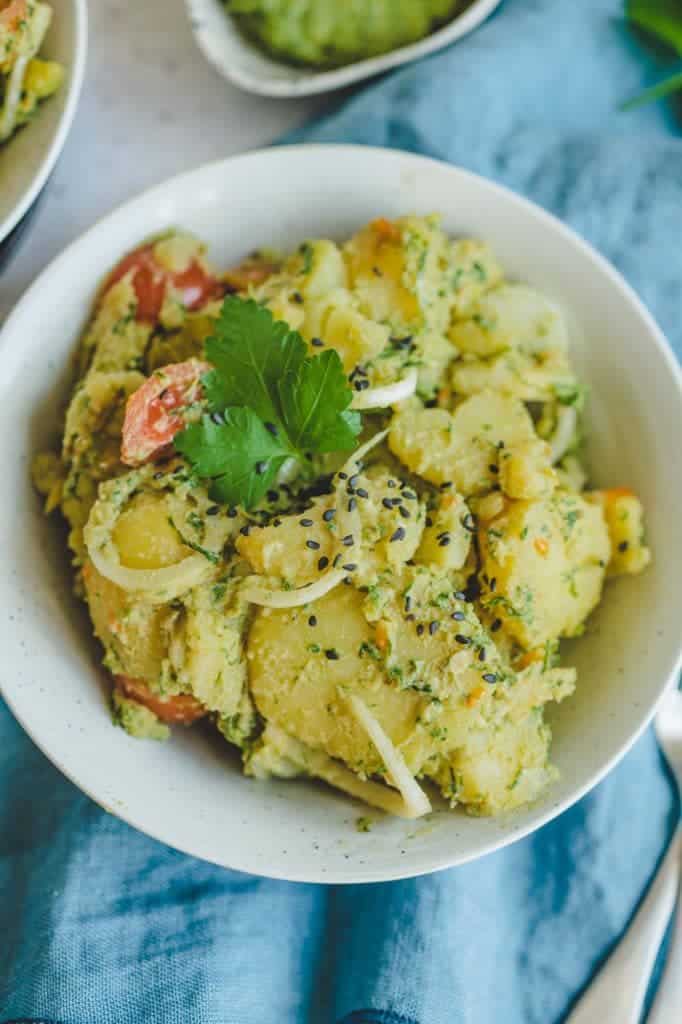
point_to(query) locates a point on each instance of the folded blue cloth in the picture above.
(101, 925)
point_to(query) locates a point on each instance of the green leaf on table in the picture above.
(662, 18)
(657, 92)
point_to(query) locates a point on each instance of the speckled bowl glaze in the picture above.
(250, 68)
(27, 160)
(189, 793)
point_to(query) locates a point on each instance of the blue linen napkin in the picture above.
(101, 925)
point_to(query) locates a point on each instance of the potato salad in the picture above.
(25, 78)
(332, 503)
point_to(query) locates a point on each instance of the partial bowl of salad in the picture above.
(42, 59)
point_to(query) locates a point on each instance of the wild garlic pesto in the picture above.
(333, 502)
(322, 33)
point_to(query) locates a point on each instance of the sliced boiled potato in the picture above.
(144, 537)
(532, 378)
(474, 269)
(625, 521)
(115, 340)
(446, 542)
(460, 447)
(526, 469)
(135, 634)
(543, 566)
(323, 269)
(293, 548)
(511, 316)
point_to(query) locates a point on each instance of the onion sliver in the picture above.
(389, 394)
(560, 441)
(258, 593)
(416, 801)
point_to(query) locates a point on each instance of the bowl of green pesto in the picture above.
(277, 48)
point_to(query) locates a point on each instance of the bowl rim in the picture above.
(311, 82)
(50, 157)
(512, 832)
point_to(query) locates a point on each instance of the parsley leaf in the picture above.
(268, 401)
(312, 398)
(252, 353)
(239, 456)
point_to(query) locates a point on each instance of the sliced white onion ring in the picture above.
(319, 765)
(415, 799)
(257, 592)
(389, 394)
(156, 584)
(560, 441)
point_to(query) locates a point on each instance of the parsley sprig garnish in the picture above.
(267, 401)
(661, 19)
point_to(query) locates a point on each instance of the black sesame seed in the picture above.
(420, 628)
(352, 504)
(387, 503)
(348, 540)
(444, 541)
(361, 385)
(446, 485)
(306, 522)
(297, 297)
(490, 677)
(410, 617)
(469, 522)
(323, 563)
(213, 510)
(408, 603)
(232, 512)
(347, 580)
(434, 627)
(391, 483)
(495, 625)
(277, 522)
(350, 566)
(158, 476)
(623, 546)
(362, 493)
(493, 468)
(458, 616)
(217, 419)
(398, 534)
(313, 545)
(353, 480)
(337, 559)
(329, 515)
(481, 654)
(461, 639)
(312, 620)
(245, 530)
(342, 475)
(260, 467)
(493, 585)
(405, 512)
(428, 521)
(332, 654)
(271, 428)
(460, 595)
(410, 495)
(317, 342)
(272, 495)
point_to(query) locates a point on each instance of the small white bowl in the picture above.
(189, 792)
(28, 159)
(250, 68)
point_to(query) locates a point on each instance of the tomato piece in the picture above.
(155, 412)
(151, 280)
(12, 14)
(181, 709)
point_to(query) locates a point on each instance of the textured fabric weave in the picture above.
(101, 925)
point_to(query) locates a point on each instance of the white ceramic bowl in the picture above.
(27, 160)
(248, 67)
(189, 792)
